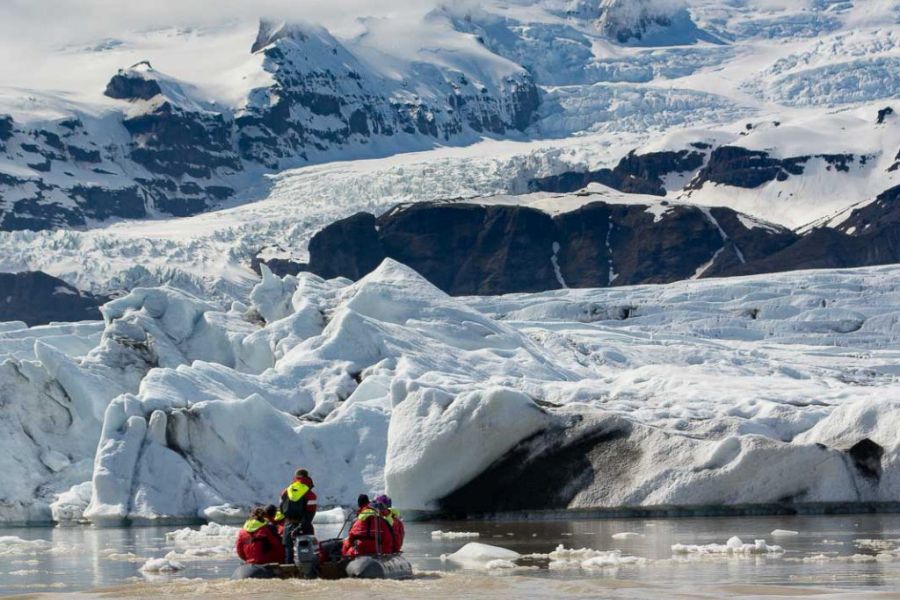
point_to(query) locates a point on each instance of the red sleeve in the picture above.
(239, 547)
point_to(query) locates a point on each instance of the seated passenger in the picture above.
(257, 542)
(392, 515)
(275, 518)
(370, 533)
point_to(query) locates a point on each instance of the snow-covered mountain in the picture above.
(781, 110)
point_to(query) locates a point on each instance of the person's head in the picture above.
(258, 513)
(271, 511)
(384, 500)
(301, 474)
(362, 500)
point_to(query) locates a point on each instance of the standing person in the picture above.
(392, 515)
(370, 532)
(298, 505)
(257, 542)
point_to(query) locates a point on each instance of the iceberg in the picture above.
(749, 390)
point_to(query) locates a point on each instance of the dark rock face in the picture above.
(635, 173)
(37, 298)
(472, 249)
(740, 167)
(6, 127)
(171, 141)
(869, 236)
(347, 248)
(127, 86)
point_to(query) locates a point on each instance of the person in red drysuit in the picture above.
(258, 542)
(370, 533)
(298, 507)
(392, 516)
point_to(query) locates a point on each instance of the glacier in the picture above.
(752, 390)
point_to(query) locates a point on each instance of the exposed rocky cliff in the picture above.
(37, 298)
(477, 249)
(497, 249)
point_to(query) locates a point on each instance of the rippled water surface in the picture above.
(846, 556)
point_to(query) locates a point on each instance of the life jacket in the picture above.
(259, 544)
(298, 501)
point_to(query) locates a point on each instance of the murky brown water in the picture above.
(831, 557)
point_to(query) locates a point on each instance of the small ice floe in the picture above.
(200, 553)
(627, 535)
(11, 545)
(874, 545)
(209, 535)
(476, 555)
(124, 557)
(454, 535)
(223, 512)
(333, 515)
(162, 565)
(733, 547)
(587, 558)
(784, 533)
(499, 564)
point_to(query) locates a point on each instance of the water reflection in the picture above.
(87, 558)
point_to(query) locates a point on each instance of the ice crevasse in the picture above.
(388, 383)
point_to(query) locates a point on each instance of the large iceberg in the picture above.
(756, 390)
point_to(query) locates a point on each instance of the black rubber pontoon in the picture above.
(391, 566)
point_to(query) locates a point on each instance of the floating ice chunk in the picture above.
(587, 558)
(223, 512)
(784, 533)
(452, 535)
(11, 545)
(334, 515)
(197, 553)
(209, 535)
(70, 505)
(627, 535)
(873, 544)
(734, 546)
(161, 565)
(125, 557)
(476, 555)
(500, 563)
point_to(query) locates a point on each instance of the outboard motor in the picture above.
(306, 556)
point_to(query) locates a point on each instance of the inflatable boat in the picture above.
(324, 561)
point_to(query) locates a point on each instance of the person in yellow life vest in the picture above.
(257, 542)
(275, 518)
(370, 533)
(298, 505)
(392, 516)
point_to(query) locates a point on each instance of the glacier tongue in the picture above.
(747, 391)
